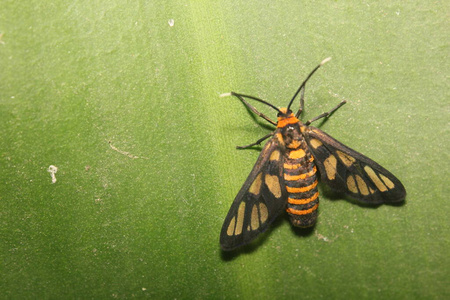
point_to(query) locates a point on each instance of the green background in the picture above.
(127, 107)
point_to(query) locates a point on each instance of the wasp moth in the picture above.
(285, 176)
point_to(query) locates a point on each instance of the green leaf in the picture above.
(123, 98)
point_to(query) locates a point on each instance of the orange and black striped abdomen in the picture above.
(299, 174)
(301, 184)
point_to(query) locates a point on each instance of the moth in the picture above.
(285, 176)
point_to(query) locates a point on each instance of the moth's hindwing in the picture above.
(352, 173)
(261, 199)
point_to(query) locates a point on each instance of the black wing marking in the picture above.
(352, 173)
(260, 200)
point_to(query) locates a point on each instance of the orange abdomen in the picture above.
(301, 184)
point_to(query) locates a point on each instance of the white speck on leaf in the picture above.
(52, 170)
(125, 153)
(171, 22)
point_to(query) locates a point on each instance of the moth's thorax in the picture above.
(290, 130)
(286, 117)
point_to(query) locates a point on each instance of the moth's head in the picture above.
(284, 113)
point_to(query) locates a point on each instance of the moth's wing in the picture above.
(352, 173)
(261, 199)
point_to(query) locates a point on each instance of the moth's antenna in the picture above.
(307, 78)
(250, 97)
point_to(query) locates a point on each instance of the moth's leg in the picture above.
(326, 114)
(258, 142)
(302, 102)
